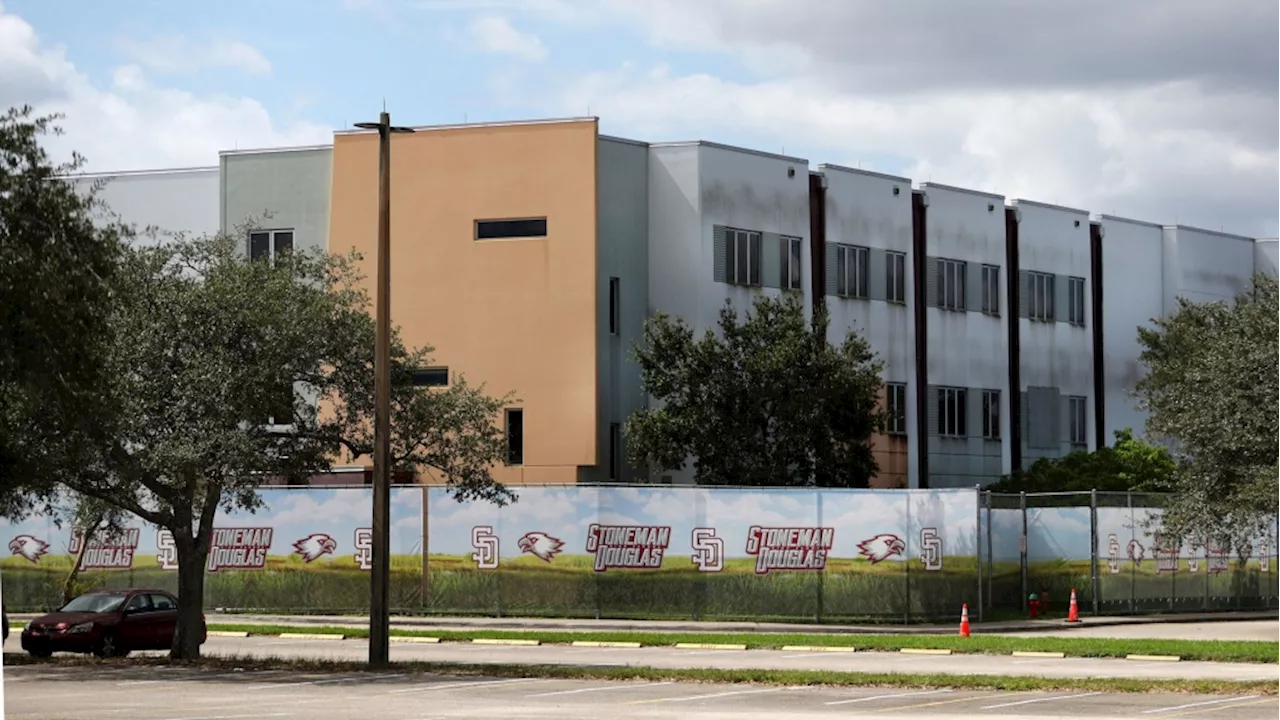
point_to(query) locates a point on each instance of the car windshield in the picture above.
(95, 603)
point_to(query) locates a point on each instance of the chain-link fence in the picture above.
(1108, 547)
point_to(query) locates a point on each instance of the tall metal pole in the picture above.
(379, 596)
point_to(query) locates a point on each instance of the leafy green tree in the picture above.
(1211, 391)
(1129, 464)
(765, 401)
(224, 372)
(56, 271)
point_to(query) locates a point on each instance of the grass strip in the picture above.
(761, 677)
(1189, 650)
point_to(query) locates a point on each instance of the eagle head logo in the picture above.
(881, 546)
(1136, 551)
(315, 545)
(30, 547)
(540, 545)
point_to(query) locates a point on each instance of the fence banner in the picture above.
(306, 550)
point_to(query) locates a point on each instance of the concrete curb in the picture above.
(817, 648)
(503, 641)
(604, 644)
(228, 633)
(1154, 658)
(709, 646)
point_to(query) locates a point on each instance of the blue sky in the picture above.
(1161, 126)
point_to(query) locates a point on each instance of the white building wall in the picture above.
(1204, 265)
(872, 210)
(693, 189)
(1129, 300)
(171, 201)
(1056, 353)
(967, 349)
(1266, 256)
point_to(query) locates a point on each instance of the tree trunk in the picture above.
(192, 557)
(86, 536)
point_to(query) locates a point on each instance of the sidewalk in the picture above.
(689, 626)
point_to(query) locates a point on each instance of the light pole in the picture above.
(380, 583)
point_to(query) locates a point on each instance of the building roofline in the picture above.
(1258, 240)
(1130, 221)
(268, 150)
(138, 173)
(992, 196)
(730, 148)
(465, 126)
(1048, 206)
(824, 167)
(1219, 233)
(628, 141)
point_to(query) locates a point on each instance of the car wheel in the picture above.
(107, 646)
(40, 654)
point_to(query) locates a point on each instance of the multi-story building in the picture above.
(529, 254)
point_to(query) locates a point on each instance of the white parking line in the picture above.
(455, 686)
(711, 696)
(1199, 704)
(631, 686)
(1039, 700)
(887, 697)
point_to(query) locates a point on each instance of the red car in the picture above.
(109, 623)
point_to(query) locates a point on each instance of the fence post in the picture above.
(822, 574)
(1022, 547)
(906, 609)
(1133, 569)
(977, 541)
(1093, 546)
(991, 558)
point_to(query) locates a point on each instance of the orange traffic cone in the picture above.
(1073, 613)
(964, 620)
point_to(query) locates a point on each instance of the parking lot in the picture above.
(66, 693)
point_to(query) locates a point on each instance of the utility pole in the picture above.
(380, 578)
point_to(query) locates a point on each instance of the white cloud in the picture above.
(494, 34)
(131, 122)
(1160, 127)
(178, 54)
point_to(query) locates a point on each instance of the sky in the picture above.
(1165, 112)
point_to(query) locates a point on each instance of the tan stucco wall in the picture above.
(890, 452)
(518, 315)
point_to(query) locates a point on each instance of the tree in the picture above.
(1211, 391)
(56, 273)
(1129, 464)
(219, 372)
(766, 401)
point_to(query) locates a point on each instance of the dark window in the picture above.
(951, 284)
(615, 301)
(896, 395)
(615, 451)
(496, 229)
(281, 412)
(951, 411)
(138, 603)
(1040, 298)
(1075, 300)
(163, 602)
(269, 244)
(852, 271)
(431, 377)
(744, 257)
(991, 414)
(991, 289)
(896, 277)
(515, 436)
(1079, 408)
(791, 267)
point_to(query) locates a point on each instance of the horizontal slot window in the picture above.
(499, 229)
(431, 377)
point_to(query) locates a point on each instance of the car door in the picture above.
(136, 630)
(165, 623)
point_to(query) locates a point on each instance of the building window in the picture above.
(1040, 296)
(1078, 407)
(615, 451)
(991, 414)
(744, 257)
(515, 436)
(951, 411)
(431, 377)
(851, 271)
(991, 289)
(281, 412)
(951, 284)
(269, 244)
(614, 305)
(896, 400)
(791, 253)
(1075, 300)
(522, 228)
(895, 277)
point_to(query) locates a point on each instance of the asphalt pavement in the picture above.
(673, 658)
(173, 693)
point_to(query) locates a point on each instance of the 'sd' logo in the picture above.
(708, 550)
(364, 548)
(485, 547)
